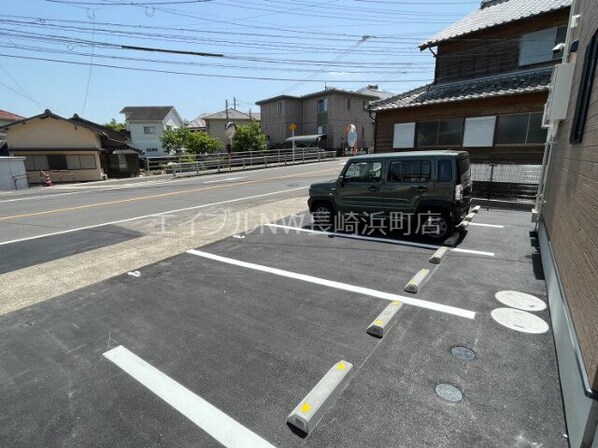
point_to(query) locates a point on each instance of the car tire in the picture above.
(442, 222)
(322, 213)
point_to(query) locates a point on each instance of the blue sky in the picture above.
(268, 47)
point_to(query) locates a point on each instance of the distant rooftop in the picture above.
(4, 115)
(501, 85)
(493, 13)
(146, 113)
(370, 91)
(233, 114)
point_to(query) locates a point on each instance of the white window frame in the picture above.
(404, 135)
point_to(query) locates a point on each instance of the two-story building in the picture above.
(492, 77)
(214, 123)
(5, 119)
(147, 124)
(327, 112)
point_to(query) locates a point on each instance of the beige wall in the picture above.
(276, 126)
(215, 128)
(51, 133)
(67, 175)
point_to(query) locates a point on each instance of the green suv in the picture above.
(427, 190)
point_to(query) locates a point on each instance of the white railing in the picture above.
(209, 163)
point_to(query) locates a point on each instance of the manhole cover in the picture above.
(520, 300)
(519, 320)
(449, 393)
(463, 353)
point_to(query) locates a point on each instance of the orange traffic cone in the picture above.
(46, 179)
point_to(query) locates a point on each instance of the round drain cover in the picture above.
(463, 353)
(519, 320)
(449, 393)
(520, 300)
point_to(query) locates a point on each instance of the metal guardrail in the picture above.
(208, 163)
(505, 182)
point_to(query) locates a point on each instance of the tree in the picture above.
(182, 140)
(250, 138)
(173, 140)
(120, 127)
(201, 142)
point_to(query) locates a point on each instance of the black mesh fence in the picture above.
(505, 182)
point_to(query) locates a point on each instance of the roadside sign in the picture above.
(352, 138)
(293, 127)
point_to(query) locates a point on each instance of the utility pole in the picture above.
(226, 109)
(234, 103)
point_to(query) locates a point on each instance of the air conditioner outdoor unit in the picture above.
(560, 92)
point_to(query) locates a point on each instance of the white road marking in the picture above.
(479, 224)
(338, 285)
(41, 196)
(228, 179)
(381, 240)
(209, 418)
(94, 226)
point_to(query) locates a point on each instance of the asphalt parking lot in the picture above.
(251, 323)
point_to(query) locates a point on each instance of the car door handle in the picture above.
(373, 189)
(421, 189)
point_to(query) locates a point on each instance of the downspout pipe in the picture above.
(552, 130)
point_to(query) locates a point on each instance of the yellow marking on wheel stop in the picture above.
(305, 408)
(341, 366)
(396, 302)
(379, 322)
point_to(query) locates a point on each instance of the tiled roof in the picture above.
(146, 113)
(233, 114)
(496, 14)
(4, 115)
(501, 85)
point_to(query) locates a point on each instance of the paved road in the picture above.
(253, 343)
(66, 208)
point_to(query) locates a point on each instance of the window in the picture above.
(440, 132)
(585, 91)
(410, 171)
(149, 130)
(479, 132)
(280, 108)
(322, 129)
(364, 172)
(57, 162)
(80, 162)
(322, 105)
(445, 171)
(40, 162)
(404, 135)
(536, 47)
(348, 103)
(520, 129)
(362, 132)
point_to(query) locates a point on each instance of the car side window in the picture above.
(445, 171)
(364, 172)
(410, 171)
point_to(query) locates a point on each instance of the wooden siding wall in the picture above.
(491, 51)
(571, 213)
(497, 106)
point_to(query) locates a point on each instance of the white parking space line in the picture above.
(338, 285)
(212, 420)
(230, 201)
(228, 179)
(479, 224)
(381, 240)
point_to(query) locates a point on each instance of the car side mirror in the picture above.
(341, 180)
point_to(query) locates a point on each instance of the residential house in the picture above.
(214, 124)
(6, 118)
(147, 124)
(567, 215)
(70, 149)
(328, 113)
(492, 77)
